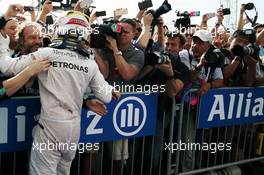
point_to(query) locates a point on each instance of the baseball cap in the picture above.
(248, 34)
(203, 35)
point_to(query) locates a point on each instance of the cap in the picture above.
(203, 35)
(248, 34)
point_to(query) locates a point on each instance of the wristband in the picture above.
(118, 53)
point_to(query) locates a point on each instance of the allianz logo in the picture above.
(130, 113)
(236, 106)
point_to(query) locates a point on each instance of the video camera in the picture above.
(164, 8)
(185, 20)
(110, 27)
(249, 50)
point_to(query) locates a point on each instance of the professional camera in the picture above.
(153, 58)
(110, 27)
(145, 4)
(249, 6)
(214, 58)
(249, 50)
(164, 8)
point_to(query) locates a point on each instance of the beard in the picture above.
(32, 48)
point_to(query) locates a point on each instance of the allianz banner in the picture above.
(134, 115)
(225, 107)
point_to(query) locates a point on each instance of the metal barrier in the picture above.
(149, 155)
(241, 139)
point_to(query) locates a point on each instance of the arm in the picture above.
(13, 84)
(161, 32)
(33, 16)
(145, 35)
(103, 64)
(47, 8)
(210, 85)
(126, 70)
(203, 24)
(260, 38)
(250, 76)
(101, 89)
(229, 70)
(241, 23)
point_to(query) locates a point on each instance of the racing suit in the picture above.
(61, 92)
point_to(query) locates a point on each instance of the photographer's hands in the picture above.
(166, 68)
(13, 10)
(111, 43)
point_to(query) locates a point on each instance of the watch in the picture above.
(118, 53)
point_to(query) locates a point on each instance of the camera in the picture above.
(185, 20)
(100, 13)
(249, 50)
(112, 28)
(214, 57)
(145, 4)
(226, 11)
(249, 6)
(28, 8)
(153, 58)
(164, 8)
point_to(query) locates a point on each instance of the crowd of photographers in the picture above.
(143, 51)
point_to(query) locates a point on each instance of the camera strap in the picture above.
(253, 22)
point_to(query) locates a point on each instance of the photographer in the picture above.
(120, 64)
(241, 70)
(206, 69)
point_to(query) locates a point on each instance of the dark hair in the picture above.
(248, 34)
(173, 35)
(129, 21)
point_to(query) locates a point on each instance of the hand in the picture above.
(140, 14)
(161, 22)
(78, 7)
(204, 89)
(13, 10)
(220, 17)
(47, 7)
(242, 8)
(116, 95)
(202, 61)
(250, 61)
(166, 68)
(38, 66)
(147, 19)
(205, 18)
(111, 43)
(93, 17)
(96, 106)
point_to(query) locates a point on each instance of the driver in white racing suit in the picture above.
(62, 88)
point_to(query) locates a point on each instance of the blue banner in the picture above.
(225, 107)
(134, 115)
